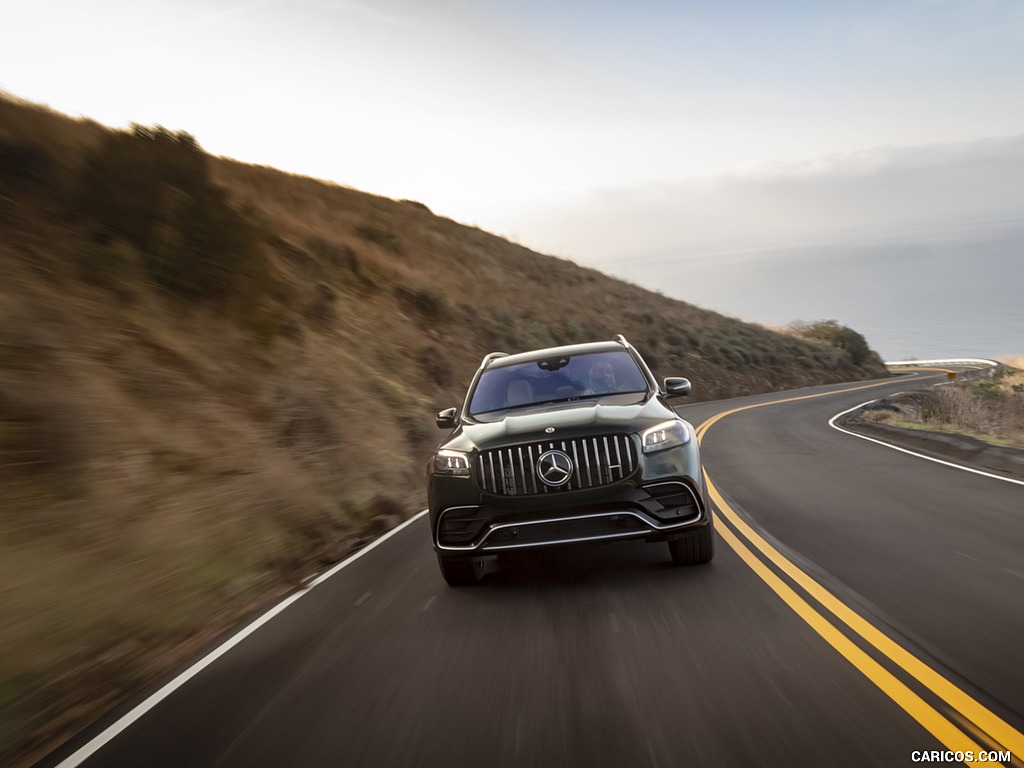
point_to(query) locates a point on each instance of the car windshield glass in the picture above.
(556, 379)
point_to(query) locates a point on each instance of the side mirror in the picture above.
(676, 386)
(447, 418)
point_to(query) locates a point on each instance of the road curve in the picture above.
(925, 558)
(610, 656)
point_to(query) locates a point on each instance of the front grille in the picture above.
(595, 461)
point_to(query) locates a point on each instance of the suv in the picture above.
(563, 446)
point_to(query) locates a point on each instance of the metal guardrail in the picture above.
(946, 361)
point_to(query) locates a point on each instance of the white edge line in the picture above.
(102, 739)
(831, 423)
(356, 555)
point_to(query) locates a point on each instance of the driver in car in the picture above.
(602, 378)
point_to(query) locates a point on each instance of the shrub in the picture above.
(416, 204)
(322, 309)
(297, 255)
(436, 365)
(574, 333)
(151, 187)
(132, 177)
(305, 424)
(23, 164)
(45, 437)
(381, 235)
(269, 321)
(110, 263)
(340, 256)
(831, 332)
(425, 301)
(985, 389)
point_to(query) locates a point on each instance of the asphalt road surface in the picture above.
(864, 607)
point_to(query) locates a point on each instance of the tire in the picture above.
(461, 572)
(695, 549)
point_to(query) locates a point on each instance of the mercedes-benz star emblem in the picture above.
(554, 468)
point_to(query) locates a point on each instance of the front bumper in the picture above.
(659, 511)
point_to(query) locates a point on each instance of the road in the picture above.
(863, 606)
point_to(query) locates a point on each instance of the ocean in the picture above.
(955, 291)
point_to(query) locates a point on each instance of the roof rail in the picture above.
(622, 340)
(492, 356)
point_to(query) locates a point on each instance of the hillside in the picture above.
(215, 377)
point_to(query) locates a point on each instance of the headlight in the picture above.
(668, 434)
(452, 463)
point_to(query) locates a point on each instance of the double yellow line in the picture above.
(1001, 734)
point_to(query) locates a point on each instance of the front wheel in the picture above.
(461, 572)
(696, 548)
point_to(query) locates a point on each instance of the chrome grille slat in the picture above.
(586, 461)
(504, 476)
(596, 461)
(568, 485)
(533, 466)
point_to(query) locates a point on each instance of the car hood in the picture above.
(578, 419)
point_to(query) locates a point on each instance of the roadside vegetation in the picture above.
(990, 409)
(216, 377)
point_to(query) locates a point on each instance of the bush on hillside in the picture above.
(338, 255)
(381, 235)
(426, 302)
(152, 188)
(24, 164)
(831, 332)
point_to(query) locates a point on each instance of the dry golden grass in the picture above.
(987, 409)
(167, 466)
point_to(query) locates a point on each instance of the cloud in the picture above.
(858, 195)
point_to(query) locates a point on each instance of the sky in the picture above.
(605, 132)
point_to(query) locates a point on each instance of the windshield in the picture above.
(556, 379)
